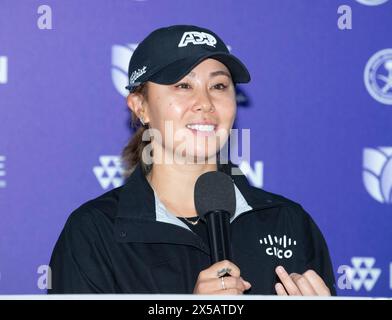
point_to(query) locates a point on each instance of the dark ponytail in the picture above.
(132, 153)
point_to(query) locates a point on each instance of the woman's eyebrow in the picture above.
(212, 74)
(219, 73)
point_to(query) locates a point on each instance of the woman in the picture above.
(146, 236)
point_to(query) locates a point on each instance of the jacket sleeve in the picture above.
(78, 263)
(317, 253)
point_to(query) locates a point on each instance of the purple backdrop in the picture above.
(319, 134)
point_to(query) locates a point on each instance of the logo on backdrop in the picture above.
(362, 273)
(378, 76)
(278, 246)
(377, 173)
(372, 2)
(3, 70)
(255, 175)
(120, 61)
(109, 173)
(2, 172)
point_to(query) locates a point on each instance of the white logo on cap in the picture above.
(196, 37)
(136, 74)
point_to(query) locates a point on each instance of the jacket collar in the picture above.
(137, 198)
(138, 209)
(163, 215)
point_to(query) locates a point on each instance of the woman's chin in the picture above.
(199, 157)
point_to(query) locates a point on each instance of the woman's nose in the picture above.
(204, 103)
(205, 107)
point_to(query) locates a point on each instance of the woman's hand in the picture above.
(210, 280)
(294, 284)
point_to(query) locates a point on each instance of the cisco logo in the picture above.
(278, 246)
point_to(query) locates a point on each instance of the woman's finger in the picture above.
(220, 285)
(228, 292)
(317, 283)
(219, 269)
(303, 285)
(280, 291)
(287, 282)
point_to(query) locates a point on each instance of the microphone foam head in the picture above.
(214, 190)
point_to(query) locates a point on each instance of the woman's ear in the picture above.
(137, 104)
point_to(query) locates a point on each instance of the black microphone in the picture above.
(215, 204)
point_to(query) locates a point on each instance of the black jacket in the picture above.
(116, 244)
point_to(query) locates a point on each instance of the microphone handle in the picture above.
(218, 224)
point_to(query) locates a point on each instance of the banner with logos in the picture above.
(318, 110)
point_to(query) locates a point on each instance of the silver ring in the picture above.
(223, 283)
(223, 271)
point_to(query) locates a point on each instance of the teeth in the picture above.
(201, 127)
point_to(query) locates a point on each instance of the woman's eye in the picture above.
(220, 86)
(183, 86)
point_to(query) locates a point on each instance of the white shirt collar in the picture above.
(163, 215)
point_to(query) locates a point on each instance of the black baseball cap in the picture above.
(168, 54)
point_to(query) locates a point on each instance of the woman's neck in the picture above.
(174, 184)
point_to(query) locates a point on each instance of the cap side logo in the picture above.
(136, 74)
(196, 37)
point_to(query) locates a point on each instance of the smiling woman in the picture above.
(202, 104)
(146, 236)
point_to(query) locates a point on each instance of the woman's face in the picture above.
(194, 115)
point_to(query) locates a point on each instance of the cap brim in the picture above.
(179, 69)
